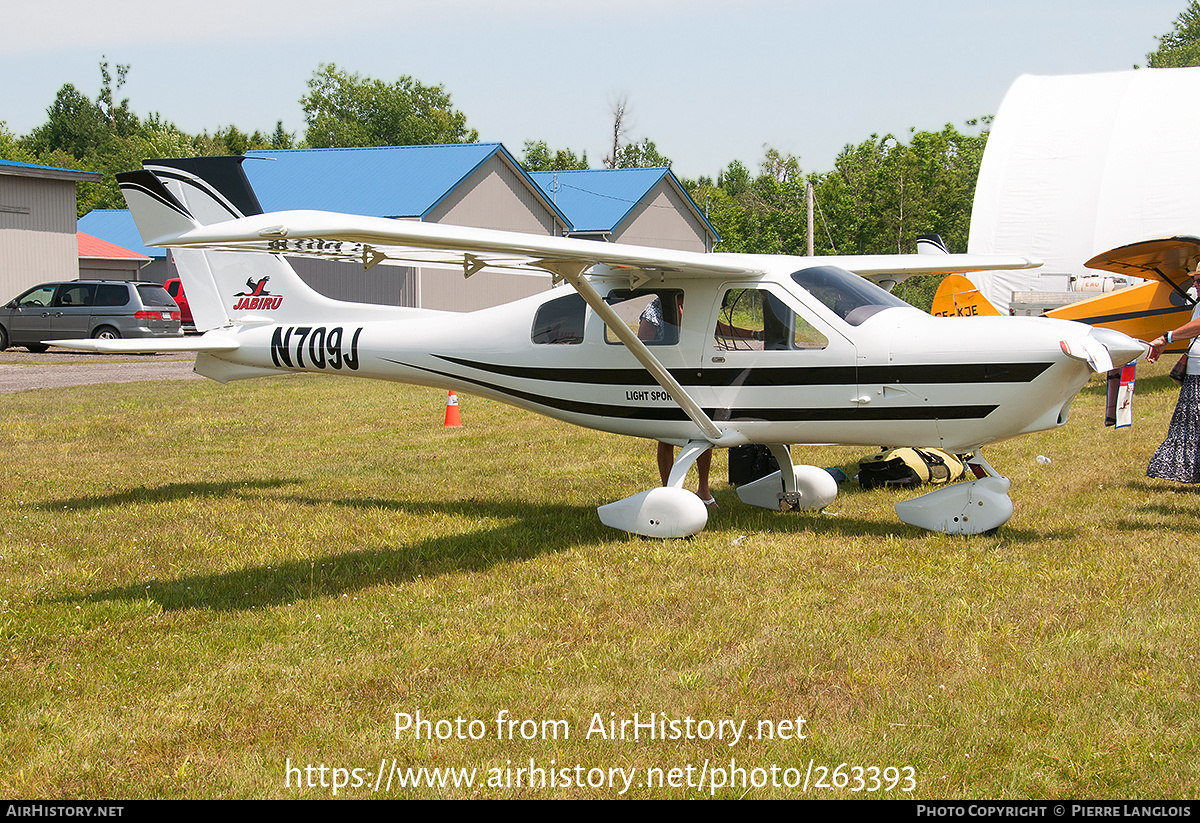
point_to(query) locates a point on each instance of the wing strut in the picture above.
(572, 272)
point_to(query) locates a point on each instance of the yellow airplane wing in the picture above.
(1167, 259)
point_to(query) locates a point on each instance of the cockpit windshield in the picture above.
(847, 295)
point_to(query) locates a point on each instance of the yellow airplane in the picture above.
(1142, 312)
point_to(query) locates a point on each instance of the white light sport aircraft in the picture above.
(771, 349)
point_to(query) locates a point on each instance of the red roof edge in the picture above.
(95, 247)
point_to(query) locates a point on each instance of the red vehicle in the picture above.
(174, 288)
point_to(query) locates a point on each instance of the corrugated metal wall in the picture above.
(110, 269)
(448, 290)
(37, 233)
(496, 196)
(381, 285)
(663, 220)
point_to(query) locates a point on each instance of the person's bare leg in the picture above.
(703, 464)
(666, 459)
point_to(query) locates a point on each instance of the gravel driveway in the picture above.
(24, 371)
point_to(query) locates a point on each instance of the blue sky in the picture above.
(709, 81)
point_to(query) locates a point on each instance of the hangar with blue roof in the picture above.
(473, 184)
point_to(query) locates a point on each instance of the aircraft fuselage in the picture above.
(898, 377)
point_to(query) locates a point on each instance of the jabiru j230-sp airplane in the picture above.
(777, 350)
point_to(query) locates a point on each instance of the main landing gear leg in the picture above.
(669, 511)
(979, 506)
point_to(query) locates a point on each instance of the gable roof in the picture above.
(380, 181)
(116, 226)
(598, 200)
(94, 247)
(410, 182)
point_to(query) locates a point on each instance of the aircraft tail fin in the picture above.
(957, 296)
(932, 244)
(224, 289)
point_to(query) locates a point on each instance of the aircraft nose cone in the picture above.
(1103, 349)
(1122, 348)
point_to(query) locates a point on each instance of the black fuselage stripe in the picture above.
(777, 377)
(771, 415)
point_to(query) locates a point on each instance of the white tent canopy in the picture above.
(1080, 164)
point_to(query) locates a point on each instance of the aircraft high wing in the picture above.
(1170, 260)
(771, 349)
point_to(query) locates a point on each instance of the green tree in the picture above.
(281, 139)
(642, 155)
(882, 195)
(1181, 46)
(538, 157)
(11, 148)
(121, 120)
(74, 126)
(347, 110)
(231, 140)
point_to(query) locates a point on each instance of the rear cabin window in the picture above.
(155, 297)
(560, 321)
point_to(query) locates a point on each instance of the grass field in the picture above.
(254, 590)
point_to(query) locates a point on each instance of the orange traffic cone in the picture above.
(453, 419)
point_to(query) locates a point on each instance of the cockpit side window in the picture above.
(757, 320)
(847, 295)
(560, 321)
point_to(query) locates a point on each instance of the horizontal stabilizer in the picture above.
(208, 342)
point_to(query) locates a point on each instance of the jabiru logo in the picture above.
(256, 297)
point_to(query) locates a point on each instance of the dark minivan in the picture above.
(78, 309)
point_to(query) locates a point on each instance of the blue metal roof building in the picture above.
(474, 184)
(383, 181)
(606, 203)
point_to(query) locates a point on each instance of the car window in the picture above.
(75, 294)
(112, 294)
(41, 296)
(173, 288)
(155, 297)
